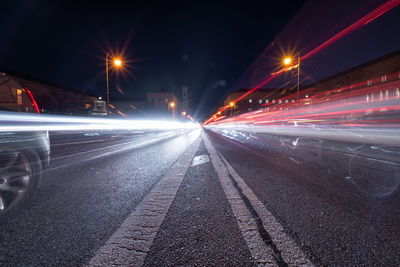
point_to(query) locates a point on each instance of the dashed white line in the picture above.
(255, 221)
(129, 245)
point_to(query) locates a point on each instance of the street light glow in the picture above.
(287, 60)
(172, 104)
(117, 62)
(231, 104)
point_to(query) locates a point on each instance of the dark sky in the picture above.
(208, 45)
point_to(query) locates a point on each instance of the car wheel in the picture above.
(20, 170)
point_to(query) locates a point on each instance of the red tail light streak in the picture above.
(371, 16)
(370, 108)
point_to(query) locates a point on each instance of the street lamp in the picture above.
(117, 63)
(287, 61)
(232, 105)
(172, 105)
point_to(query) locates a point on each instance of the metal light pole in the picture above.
(117, 62)
(232, 105)
(287, 61)
(298, 77)
(172, 105)
(108, 90)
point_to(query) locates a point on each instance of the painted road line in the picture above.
(129, 245)
(265, 237)
(200, 160)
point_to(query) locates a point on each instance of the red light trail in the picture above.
(379, 11)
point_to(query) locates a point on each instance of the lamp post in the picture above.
(287, 61)
(232, 105)
(172, 105)
(117, 63)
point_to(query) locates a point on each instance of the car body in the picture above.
(23, 155)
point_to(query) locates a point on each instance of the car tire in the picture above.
(20, 172)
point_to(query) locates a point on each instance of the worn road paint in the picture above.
(200, 160)
(265, 237)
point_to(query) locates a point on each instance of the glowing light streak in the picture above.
(17, 122)
(379, 11)
(29, 93)
(384, 8)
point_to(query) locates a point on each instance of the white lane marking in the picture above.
(129, 245)
(262, 254)
(200, 160)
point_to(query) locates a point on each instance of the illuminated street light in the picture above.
(219, 113)
(288, 61)
(232, 104)
(184, 113)
(172, 104)
(118, 63)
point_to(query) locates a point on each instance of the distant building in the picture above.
(256, 99)
(131, 106)
(55, 99)
(163, 101)
(377, 70)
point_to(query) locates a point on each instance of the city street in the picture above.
(213, 201)
(196, 133)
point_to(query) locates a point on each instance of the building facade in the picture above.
(54, 99)
(375, 80)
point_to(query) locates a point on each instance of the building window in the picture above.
(369, 82)
(260, 101)
(250, 100)
(397, 93)
(292, 100)
(280, 101)
(384, 78)
(273, 101)
(287, 100)
(267, 101)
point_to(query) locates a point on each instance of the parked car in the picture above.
(23, 155)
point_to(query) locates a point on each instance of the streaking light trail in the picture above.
(364, 112)
(17, 122)
(379, 11)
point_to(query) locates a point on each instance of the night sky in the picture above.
(207, 45)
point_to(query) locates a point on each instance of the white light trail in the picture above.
(17, 122)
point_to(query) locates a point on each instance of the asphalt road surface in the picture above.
(222, 199)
